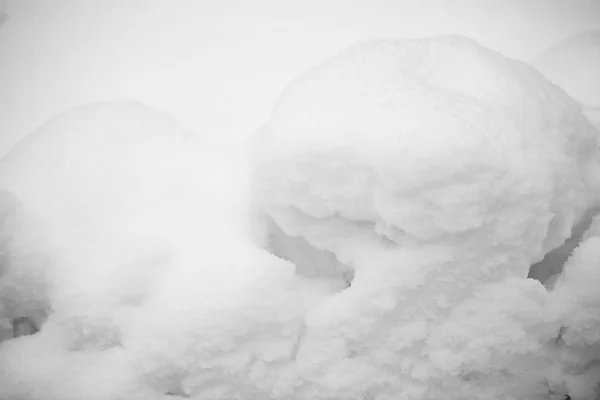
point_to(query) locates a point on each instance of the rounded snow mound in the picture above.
(72, 191)
(428, 141)
(439, 171)
(574, 64)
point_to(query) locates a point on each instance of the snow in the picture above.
(574, 64)
(438, 171)
(219, 66)
(131, 237)
(372, 241)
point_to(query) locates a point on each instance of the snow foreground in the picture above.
(372, 243)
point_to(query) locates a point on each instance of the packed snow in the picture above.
(372, 241)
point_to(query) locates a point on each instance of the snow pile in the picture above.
(404, 189)
(438, 171)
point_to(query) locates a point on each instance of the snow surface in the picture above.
(439, 171)
(131, 237)
(230, 58)
(372, 242)
(574, 64)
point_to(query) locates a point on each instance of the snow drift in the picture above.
(404, 187)
(438, 171)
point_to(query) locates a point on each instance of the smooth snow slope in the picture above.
(439, 171)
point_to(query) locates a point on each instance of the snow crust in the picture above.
(372, 242)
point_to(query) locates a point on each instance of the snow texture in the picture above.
(372, 242)
(438, 171)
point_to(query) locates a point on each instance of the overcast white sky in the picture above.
(219, 65)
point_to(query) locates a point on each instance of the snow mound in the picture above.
(438, 171)
(130, 245)
(574, 64)
(84, 184)
(409, 184)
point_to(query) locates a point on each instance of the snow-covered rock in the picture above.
(438, 171)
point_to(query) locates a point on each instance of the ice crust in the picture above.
(372, 242)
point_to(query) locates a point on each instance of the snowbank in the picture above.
(405, 187)
(438, 171)
(574, 64)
